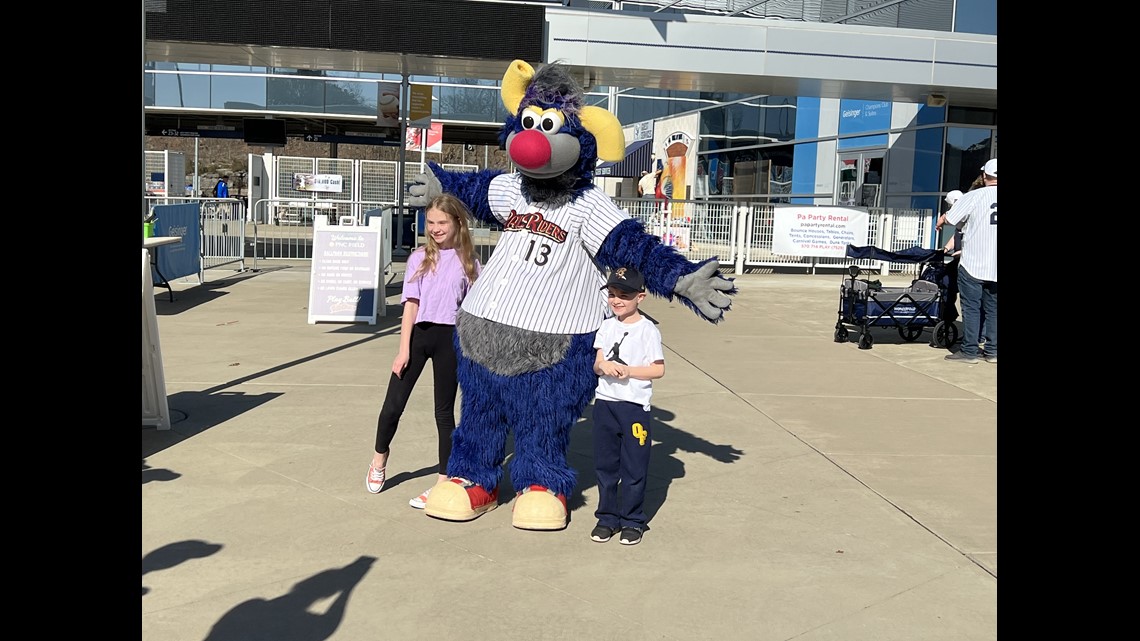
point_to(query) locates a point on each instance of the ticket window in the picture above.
(860, 182)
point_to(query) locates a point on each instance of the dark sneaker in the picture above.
(603, 533)
(630, 536)
(990, 358)
(961, 358)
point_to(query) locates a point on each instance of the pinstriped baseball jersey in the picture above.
(978, 208)
(542, 276)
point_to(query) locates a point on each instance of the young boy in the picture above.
(629, 357)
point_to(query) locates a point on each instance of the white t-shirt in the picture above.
(639, 344)
(648, 184)
(542, 276)
(978, 209)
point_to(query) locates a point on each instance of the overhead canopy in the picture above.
(638, 158)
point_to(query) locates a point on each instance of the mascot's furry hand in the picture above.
(706, 289)
(424, 187)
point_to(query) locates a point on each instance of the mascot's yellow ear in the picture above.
(607, 130)
(514, 85)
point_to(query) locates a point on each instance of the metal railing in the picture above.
(739, 234)
(222, 230)
(288, 232)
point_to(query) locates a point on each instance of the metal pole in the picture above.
(142, 114)
(196, 191)
(405, 104)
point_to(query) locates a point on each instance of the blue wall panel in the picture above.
(856, 116)
(927, 160)
(804, 155)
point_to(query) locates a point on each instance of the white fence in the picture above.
(739, 234)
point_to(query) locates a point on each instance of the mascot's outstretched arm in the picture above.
(468, 186)
(667, 272)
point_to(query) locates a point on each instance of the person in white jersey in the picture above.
(977, 273)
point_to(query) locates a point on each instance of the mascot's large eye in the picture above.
(549, 121)
(530, 117)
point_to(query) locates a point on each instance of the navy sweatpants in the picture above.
(622, 439)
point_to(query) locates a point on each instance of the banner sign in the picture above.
(414, 141)
(388, 105)
(184, 258)
(818, 231)
(318, 182)
(344, 280)
(857, 116)
(419, 105)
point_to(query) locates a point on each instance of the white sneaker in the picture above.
(420, 501)
(374, 482)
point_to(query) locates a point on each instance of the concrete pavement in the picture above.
(800, 488)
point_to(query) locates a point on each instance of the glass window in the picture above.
(178, 66)
(631, 109)
(285, 71)
(472, 104)
(472, 81)
(748, 172)
(181, 90)
(967, 149)
(237, 68)
(356, 98)
(148, 90)
(598, 100)
(747, 124)
(976, 16)
(364, 75)
(972, 116)
(238, 92)
(927, 146)
(289, 94)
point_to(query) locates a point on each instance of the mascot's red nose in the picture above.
(530, 149)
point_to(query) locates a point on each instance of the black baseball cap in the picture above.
(627, 279)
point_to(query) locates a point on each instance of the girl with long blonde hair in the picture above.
(437, 277)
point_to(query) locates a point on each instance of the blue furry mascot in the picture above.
(525, 332)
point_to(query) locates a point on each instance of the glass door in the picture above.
(860, 182)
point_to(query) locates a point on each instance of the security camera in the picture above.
(935, 100)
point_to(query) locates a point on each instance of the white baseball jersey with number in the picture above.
(978, 208)
(542, 275)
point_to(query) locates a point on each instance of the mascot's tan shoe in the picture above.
(458, 499)
(537, 508)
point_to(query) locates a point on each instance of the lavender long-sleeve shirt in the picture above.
(441, 291)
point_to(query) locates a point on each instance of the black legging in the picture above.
(434, 341)
(950, 305)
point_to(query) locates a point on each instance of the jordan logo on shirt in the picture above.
(615, 352)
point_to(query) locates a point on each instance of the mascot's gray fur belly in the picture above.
(506, 350)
